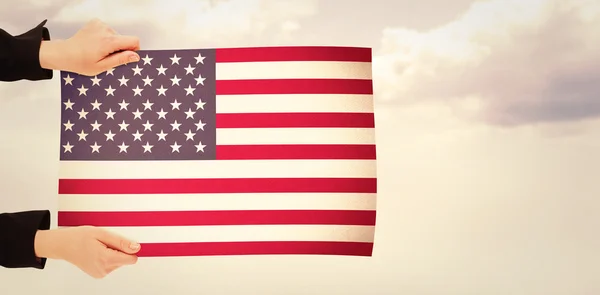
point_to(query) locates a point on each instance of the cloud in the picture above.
(18, 16)
(504, 62)
(179, 24)
(159, 24)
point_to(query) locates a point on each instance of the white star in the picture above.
(96, 81)
(68, 125)
(96, 126)
(82, 135)
(95, 147)
(189, 90)
(82, 114)
(147, 126)
(137, 70)
(200, 59)
(147, 147)
(200, 147)
(147, 60)
(110, 114)
(200, 104)
(82, 90)
(68, 104)
(96, 105)
(189, 69)
(110, 72)
(175, 104)
(123, 126)
(148, 105)
(199, 80)
(110, 91)
(137, 114)
(162, 136)
(147, 81)
(199, 125)
(175, 59)
(123, 148)
(162, 90)
(123, 105)
(137, 136)
(137, 91)
(175, 125)
(68, 147)
(175, 80)
(189, 114)
(109, 135)
(189, 135)
(175, 147)
(123, 81)
(162, 114)
(68, 81)
(161, 70)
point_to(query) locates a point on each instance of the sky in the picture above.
(487, 117)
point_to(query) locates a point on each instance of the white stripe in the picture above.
(183, 202)
(295, 103)
(293, 70)
(243, 136)
(216, 169)
(240, 233)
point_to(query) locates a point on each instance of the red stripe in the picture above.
(255, 248)
(217, 185)
(294, 86)
(296, 152)
(296, 120)
(206, 218)
(286, 53)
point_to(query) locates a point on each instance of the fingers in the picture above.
(119, 243)
(123, 51)
(114, 262)
(123, 42)
(117, 59)
(115, 42)
(98, 24)
(98, 48)
(118, 259)
(108, 260)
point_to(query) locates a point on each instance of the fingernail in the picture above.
(134, 246)
(134, 58)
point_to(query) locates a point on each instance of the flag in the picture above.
(229, 151)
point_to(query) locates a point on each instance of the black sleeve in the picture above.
(17, 236)
(20, 55)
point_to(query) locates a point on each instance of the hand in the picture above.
(95, 251)
(94, 49)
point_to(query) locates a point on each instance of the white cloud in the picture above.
(504, 62)
(462, 208)
(161, 24)
(198, 23)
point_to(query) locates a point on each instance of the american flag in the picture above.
(232, 151)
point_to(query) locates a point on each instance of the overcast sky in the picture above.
(488, 116)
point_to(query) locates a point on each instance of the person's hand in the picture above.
(95, 251)
(94, 49)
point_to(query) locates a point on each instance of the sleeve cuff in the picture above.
(27, 53)
(20, 243)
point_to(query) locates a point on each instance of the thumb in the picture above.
(118, 243)
(118, 58)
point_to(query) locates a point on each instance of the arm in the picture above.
(25, 237)
(94, 49)
(26, 241)
(17, 236)
(19, 55)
